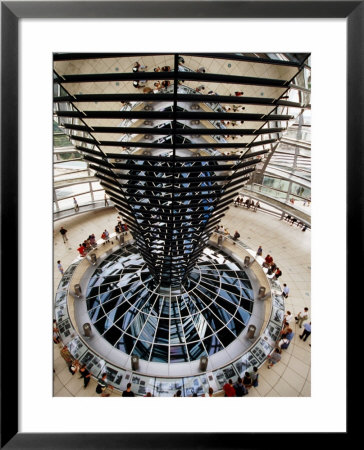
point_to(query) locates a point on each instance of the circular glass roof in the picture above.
(169, 325)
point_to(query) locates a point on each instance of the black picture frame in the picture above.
(11, 12)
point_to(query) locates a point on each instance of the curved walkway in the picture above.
(279, 204)
(290, 248)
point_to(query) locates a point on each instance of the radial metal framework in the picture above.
(134, 317)
(172, 158)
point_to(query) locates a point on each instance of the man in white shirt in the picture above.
(288, 317)
(285, 290)
(301, 316)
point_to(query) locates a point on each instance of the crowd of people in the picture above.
(242, 385)
(87, 245)
(286, 335)
(142, 84)
(248, 203)
(224, 233)
(293, 221)
(269, 264)
(90, 242)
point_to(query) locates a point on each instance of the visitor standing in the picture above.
(247, 380)
(64, 234)
(85, 374)
(287, 317)
(102, 385)
(240, 389)
(285, 290)
(128, 392)
(60, 268)
(106, 201)
(306, 331)
(254, 376)
(260, 251)
(301, 316)
(75, 204)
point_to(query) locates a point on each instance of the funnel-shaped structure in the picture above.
(172, 139)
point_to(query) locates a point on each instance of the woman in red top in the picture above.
(268, 260)
(229, 389)
(81, 250)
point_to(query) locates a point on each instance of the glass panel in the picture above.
(142, 349)
(178, 354)
(213, 345)
(113, 334)
(196, 351)
(159, 353)
(68, 203)
(276, 183)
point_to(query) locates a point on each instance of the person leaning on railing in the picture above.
(268, 261)
(236, 236)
